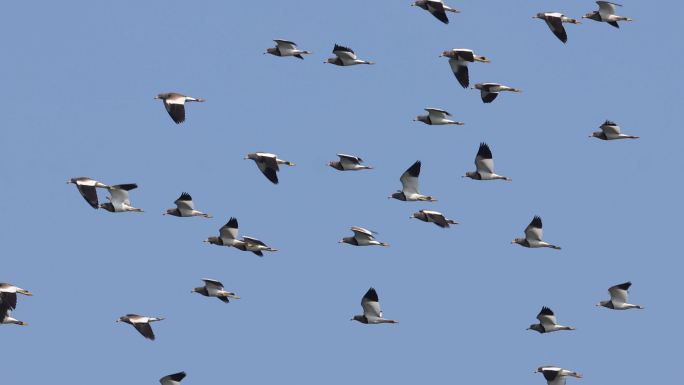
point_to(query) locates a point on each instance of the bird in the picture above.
(213, 288)
(533, 236)
(409, 186)
(362, 237)
(175, 104)
(141, 323)
(8, 302)
(489, 91)
(172, 379)
(185, 207)
(555, 22)
(6, 316)
(119, 200)
(344, 56)
(484, 165)
(268, 164)
(547, 322)
(459, 59)
(606, 13)
(437, 8)
(87, 187)
(228, 237)
(348, 163)
(555, 375)
(286, 48)
(618, 298)
(610, 131)
(435, 217)
(436, 116)
(371, 310)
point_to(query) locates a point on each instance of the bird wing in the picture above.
(460, 70)
(229, 231)
(437, 112)
(119, 193)
(350, 160)
(546, 317)
(436, 8)
(269, 167)
(555, 24)
(483, 159)
(145, 329)
(606, 8)
(409, 179)
(8, 300)
(89, 193)
(487, 96)
(344, 53)
(253, 241)
(172, 379)
(534, 229)
(285, 44)
(370, 304)
(176, 109)
(184, 202)
(436, 217)
(610, 129)
(212, 284)
(618, 293)
(362, 234)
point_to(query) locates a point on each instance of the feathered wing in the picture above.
(371, 304)
(533, 232)
(409, 179)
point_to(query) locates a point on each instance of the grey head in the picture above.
(521, 242)
(423, 118)
(478, 86)
(360, 318)
(163, 96)
(336, 165)
(607, 303)
(253, 156)
(273, 51)
(201, 290)
(334, 60)
(214, 241)
(593, 16)
(349, 240)
(420, 3)
(420, 215)
(399, 195)
(473, 175)
(539, 15)
(537, 327)
(107, 206)
(599, 134)
(173, 212)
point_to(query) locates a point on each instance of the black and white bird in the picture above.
(489, 91)
(484, 166)
(435, 217)
(409, 186)
(362, 237)
(87, 187)
(8, 302)
(547, 322)
(619, 297)
(286, 48)
(533, 236)
(175, 104)
(268, 164)
(610, 131)
(344, 56)
(606, 13)
(228, 236)
(185, 207)
(213, 288)
(555, 375)
(172, 379)
(555, 22)
(371, 310)
(119, 200)
(459, 59)
(436, 116)
(437, 8)
(141, 323)
(348, 163)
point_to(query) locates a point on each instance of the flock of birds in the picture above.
(269, 165)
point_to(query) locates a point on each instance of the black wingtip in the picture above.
(232, 223)
(546, 311)
(177, 376)
(536, 222)
(126, 186)
(484, 151)
(184, 197)
(371, 295)
(624, 286)
(414, 170)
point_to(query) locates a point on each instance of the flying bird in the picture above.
(87, 187)
(345, 57)
(348, 163)
(175, 104)
(409, 186)
(555, 375)
(286, 48)
(141, 323)
(8, 302)
(619, 297)
(484, 165)
(606, 13)
(555, 22)
(610, 131)
(435, 217)
(228, 237)
(119, 200)
(268, 164)
(489, 91)
(172, 379)
(436, 117)
(459, 59)
(185, 207)
(547, 322)
(362, 237)
(371, 310)
(533, 236)
(213, 288)
(437, 8)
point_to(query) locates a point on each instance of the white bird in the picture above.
(547, 322)
(437, 8)
(348, 163)
(213, 288)
(555, 22)
(606, 13)
(619, 297)
(286, 48)
(345, 57)
(228, 237)
(185, 207)
(119, 200)
(172, 379)
(409, 186)
(362, 237)
(484, 165)
(371, 310)
(435, 217)
(533, 236)
(610, 131)
(175, 104)
(436, 117)
(8, 302)
(87, 187)
(489, 91)
(459, 59)
(141, 323)
(555, 375)
(268, 164)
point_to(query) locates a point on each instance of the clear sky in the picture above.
(78, 80)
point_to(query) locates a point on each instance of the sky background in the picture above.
(78, 80)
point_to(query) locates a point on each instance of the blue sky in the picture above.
(78, 82)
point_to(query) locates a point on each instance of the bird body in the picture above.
(371, 310)
(436, 116)
(435, 217)
(409, 183)
(348, 163)
(533, 236)
(458, 61)
(185, 207)
(606, 13)
(268, 164)
(8, 302)
(344, 57)
(87, 187)
(119, 200)
(611, 131)
(547, 322)
(555, 22)
(437, 8)
(484, 165)
(141, 323)
(362, 237)
(489, 91)
(555, 375)
(619, 295)
(213, 288)
(228, 235)
(286, 48)
(175, 104)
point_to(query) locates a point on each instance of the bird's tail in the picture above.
(369, 62)
(555, 247)
(452, 222)
(384, 244)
